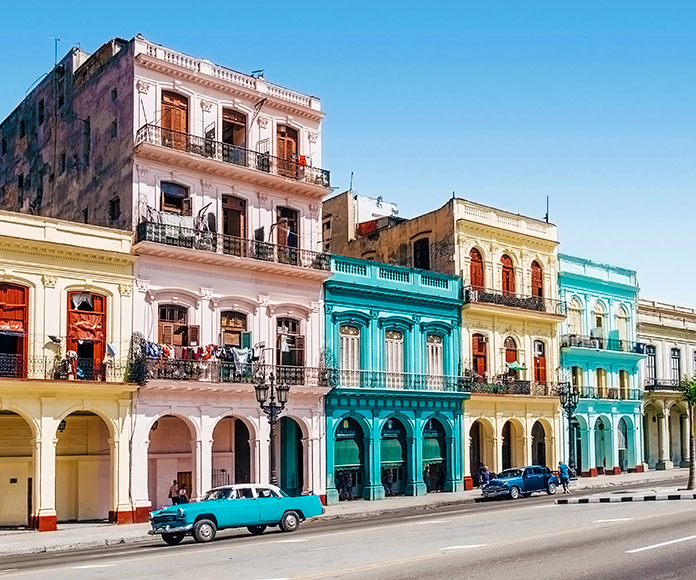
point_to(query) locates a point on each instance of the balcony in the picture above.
(214, 243)
(600, 343)
(615, 393)
(483, 385)
(214, 371)
(537, 304)
(245, 163)
(673, 385)
(52, 368)
(397, 381)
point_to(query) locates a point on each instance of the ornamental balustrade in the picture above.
(61, 368)
(662, 385)
(473, 294)
(601, 343)
(616, 393)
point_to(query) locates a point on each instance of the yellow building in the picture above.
(510, 318)
(65, 328)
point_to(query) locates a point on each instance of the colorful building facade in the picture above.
(601, 358)
(394, 414)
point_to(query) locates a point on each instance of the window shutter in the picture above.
(186, 206)
(246, 339)
(300, 348)
(194, 335)
(166, 333)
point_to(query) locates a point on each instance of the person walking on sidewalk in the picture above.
(174, 492)
(564, 476)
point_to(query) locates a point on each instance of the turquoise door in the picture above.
(270, 506)
(291, 465)
(393, 451)
(244, 510)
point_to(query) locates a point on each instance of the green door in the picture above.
(349, 458)
(291, 465)
(393, 451)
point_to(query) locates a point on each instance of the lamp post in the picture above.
(272, 399)
(570, 397)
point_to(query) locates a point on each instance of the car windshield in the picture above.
(510, 473)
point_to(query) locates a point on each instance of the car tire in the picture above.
(290, 522)
(551, 489)
(256, 530)
(172, 539)
(204, 531)
(514, 492)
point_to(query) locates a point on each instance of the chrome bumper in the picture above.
(495, 492)
(168, 529)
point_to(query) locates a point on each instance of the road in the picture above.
(530, 538)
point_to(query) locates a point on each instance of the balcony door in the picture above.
(174, 120)
(13, 330)
(234, 137)
(476, 268)
(350, 355)
(286, 140)
(86, 337)
(287, 235)
(537, 280)
(394, 358)
(290, 344)
(234, 227)
(511, 362)
(539, 362)
(508, 275)
(478, 356)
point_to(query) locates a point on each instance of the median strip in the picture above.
(651, 496)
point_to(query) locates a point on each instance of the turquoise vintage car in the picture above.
(254, 507)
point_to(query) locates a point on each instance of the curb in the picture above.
(627, 498)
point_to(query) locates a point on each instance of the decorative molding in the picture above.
(312, 136)
(263, 198)
(125, 289)
(315, 306)
(289, 119)
(142, 170)
(175, 175)
(205, 184)
(48, 281)
(263, 122)
(206, 293)
(207, 106)
(142, 285)
(314, 210)
(263, 299)
(328, 308)
(142, 86)
(89, 283)
(177, 84)
(237, 103)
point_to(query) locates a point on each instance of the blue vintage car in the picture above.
(521, 481)
(255, 507)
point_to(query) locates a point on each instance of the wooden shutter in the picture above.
(508, 275)
(540, 369)
(186, 206)
(476, 268)
(166, 333)
(174, 112)
(194, 335)
(246, 339)
(537, 284)
(300, 350)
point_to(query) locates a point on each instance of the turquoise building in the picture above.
(600, 356)
(393, 334)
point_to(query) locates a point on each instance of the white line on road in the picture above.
(661, 544)
(466, 547)
(293, 541)
(8, 570)
(90, 566)
(428, 522)
(607, 521)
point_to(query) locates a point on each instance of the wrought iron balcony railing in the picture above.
(215, 371)
(472, 294)
(361, 379)
(600, 343)
(617, 393)
(662, 385)
(510, 386)
(172, 235)
(202, 147)
(14, 366)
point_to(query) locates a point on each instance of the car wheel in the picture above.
(256, 530)
(290, 522)
(204, 531)
(551, 489)
(514, 492)
(172, 539)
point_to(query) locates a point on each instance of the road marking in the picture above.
(465, 547)
(8, 570)
(90, 566)
(661, 544)
(293, 541)
(428, 522)
(607, 521)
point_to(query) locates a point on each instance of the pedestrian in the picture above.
(174, 492)
(348, 487)
(480, 472)
(183, 494)
(426, 478)
(564, 476)
(441, 478)
(340, 482)
(388, 483)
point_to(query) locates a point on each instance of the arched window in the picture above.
(13, 329)
(290, 344)
(395, 351)
(478, 355)
(476, 268)
(601, 378)
(174, 120)
(574, 316)
(435, 350)
(350, 348)
(622, 327)
(511, 361)
(539, 361)
(233, 327)
(173, 328)
(624, 384)
(537, 280)
(87, 332)
(576, 376)
(508, 275)
(599, 320)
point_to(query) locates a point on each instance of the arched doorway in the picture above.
(231, 452)
(394, 456)
(602, 432)
(291, 457)
(16, 470)
(651, 435)
(679, 435)
(512, 445)
(83, 468)
(434, 456)
(170, 457)
(510, 347)
(349, 457)
(622, 444)
(481, 448)
(538, 444)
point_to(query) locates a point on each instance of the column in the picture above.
(663, 438)
(498, 446)
(332, 496)
(527, 446)
(684, 425)
(308, 466)
(414, 480)
(591, 450)
(139, 477)
(45, 504)
(373, 488)
(196, 479)
(615, 463)
(124, 509)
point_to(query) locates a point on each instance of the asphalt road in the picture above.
(531, 538)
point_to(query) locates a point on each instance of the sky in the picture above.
(501, 102)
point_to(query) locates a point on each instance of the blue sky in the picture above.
(502, 102)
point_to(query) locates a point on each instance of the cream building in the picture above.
(669, 333)
(65, 329)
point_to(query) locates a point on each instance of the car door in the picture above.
(245, 508)
(537, 479)
(271, 505)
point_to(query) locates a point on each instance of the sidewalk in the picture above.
(80, 536)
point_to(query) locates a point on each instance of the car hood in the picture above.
(173, 509)
(501, 482)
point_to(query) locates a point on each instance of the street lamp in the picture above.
(570, 397)
(276, 403)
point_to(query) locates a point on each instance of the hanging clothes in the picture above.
(241, 358)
